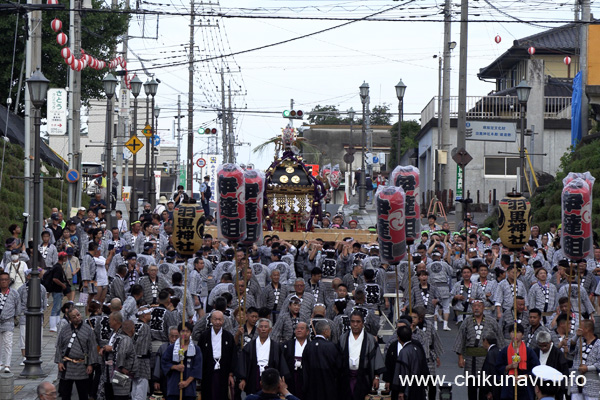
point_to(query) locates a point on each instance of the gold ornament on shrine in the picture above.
(514, 221)
(188, 228)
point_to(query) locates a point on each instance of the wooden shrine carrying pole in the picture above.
(185, 268)
(396, 270)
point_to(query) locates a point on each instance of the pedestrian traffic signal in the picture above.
(209, 131)
(293, 114)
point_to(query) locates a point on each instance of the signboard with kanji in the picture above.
(188, 228)
(57, 111)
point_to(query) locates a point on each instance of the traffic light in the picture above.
(293, 114)
(209, 131)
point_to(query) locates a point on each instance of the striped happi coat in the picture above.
(466, 337)
(592, 385)
(83, 345)
(12, 308)
(143, 349)
(537, 297)
(418, 298)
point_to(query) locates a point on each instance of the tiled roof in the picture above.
(564, 37)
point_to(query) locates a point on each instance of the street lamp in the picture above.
(152, 88)
(110, 86)
(136, 87)
(38, 87)
(523, 90)
(400, 89)
(351, 115)
(362, 190)
(153, 158)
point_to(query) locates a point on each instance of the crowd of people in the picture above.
(133, 318)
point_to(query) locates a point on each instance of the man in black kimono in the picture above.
(490, 343)
(322, 366)
(363, 358)
(293, 351)
(391, 357)
(550, 355)
(411, 362)
(218, 359)
(258, 355)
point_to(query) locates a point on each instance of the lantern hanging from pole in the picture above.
(391, 220)
(407, 177)
(498, 39)
(577, 240)
(56, 25)
(514, 221)
(567, 60)
(188, 228)
(69, 60)
(231, 209)
(65, 52)
(254, 182)
(531, 50)
(61, 39)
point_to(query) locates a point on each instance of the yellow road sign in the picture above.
(134, 144)
(147, 131)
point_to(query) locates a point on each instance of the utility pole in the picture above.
(74, 126)
(179, 139)
(223, 116)
(231, 135)
(583, 63)
(462, 94)
(123, 120)
(190, 132)
(445, 87)
(577, 10)
(33, 61)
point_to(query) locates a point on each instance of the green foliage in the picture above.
(101, 32)
(325, 115)
(546, 205)
(492, 222)
(380, 115)
(410, 129)
(11, 194)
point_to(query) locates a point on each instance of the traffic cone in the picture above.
(345, 198)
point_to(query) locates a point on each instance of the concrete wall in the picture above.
(555, 143)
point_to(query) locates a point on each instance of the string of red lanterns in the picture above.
(85, 60)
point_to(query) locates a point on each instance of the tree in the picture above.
(410, 129)
(325, 115)
(101, 32)
(379, 115)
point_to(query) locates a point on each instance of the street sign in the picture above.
(155, 140)
(348, 158)
(73, 176)
(459, 183)
(57, 111)
(201, 163)
(461, 157)
(127, 154)
(147, 131)
(134, 144)
(375, 159)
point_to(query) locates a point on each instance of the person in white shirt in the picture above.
(16, 270)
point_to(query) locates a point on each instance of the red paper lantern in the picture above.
(56, 25)
(61, 39)
(407, 177)
(231, 209)
(577, 219)
(390, 224)
(254, 183)
(567, 60)
(65, 52)
(69, 60)
(123, 63)
(52, 1)
(75, 65)
(531, 50)
(82, 51)
(498, 39)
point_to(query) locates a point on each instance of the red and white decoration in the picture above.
(567, 60)
(531, 50)
(498, 39)
(84, 60)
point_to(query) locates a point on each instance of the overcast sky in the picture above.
(324, 69)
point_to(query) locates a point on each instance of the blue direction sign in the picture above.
(375, 159)
(73, 176)
(155, 140)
